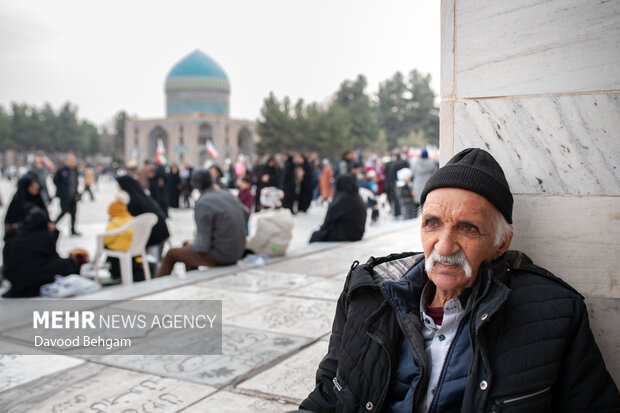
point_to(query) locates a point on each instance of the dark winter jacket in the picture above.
(346, 215)
(531, 346)
(220, 226)
(66, 181)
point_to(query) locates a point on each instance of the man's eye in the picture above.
(431, 223)
(470, 228)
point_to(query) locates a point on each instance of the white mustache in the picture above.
(458, 258)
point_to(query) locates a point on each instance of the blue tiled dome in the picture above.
(197, 64)
(197, 84)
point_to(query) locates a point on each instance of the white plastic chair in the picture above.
(141, 226)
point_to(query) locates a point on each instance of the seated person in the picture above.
(273, 225)
(346, 215)
(139, 203)
(119, 216)
(27, 195)
(31, 259)
(220, 226)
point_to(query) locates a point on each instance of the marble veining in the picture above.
(508, 48)
(549, 145)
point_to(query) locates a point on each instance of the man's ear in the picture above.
(503, 246)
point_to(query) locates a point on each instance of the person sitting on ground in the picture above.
(27, 195)
(272, 227)
(31, 259)
(346, 215)
(139, 203)
(465, 326)
(220, 226)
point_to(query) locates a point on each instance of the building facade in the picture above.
(197, 128)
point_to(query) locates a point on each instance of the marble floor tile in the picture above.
(301, 317)
(319, 287)
(227, 402)
(243, 350)
(293, 377)
(259, 280)
(17, 369)
(233, 302)
(96, 388)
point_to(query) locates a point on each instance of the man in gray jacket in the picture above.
(220, 226)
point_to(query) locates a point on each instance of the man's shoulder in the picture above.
(525, 276)
(379, 269)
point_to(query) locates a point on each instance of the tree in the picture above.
(352, 97)
(406, 109)
(119, 126)
(5, 129)
(276, 126)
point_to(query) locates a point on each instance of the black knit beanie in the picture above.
(475, 170)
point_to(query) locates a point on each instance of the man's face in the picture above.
(71, 161)
(456, 221)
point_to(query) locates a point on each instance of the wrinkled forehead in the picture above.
(458, 204)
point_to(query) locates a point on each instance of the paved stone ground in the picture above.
(276, 320)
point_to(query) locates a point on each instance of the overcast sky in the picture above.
(104, 56)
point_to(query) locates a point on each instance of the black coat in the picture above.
(22, 201)
(306, 187)
(346, 215)
(66, 181)
(532, 347)
(288, 184)
(139, 203)
(31, 259)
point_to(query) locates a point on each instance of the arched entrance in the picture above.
(205, 133)
(245, 145)
(156, 134)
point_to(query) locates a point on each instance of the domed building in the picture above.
(197, 127)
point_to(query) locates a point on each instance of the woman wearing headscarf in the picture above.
(27, 195)
(346, 215)
(31, 259)
(268, 175)
(139, 203)
(306, 185)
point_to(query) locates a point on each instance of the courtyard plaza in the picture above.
(276, 322)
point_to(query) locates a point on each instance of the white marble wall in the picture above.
(536, 83)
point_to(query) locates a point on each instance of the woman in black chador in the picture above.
(306, 185)
(27, 195)
(31, 259)
(346, 215)
(139, 203)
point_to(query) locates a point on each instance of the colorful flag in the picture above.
(160, 153)
(211, 149)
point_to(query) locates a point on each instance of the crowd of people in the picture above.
(273, 190)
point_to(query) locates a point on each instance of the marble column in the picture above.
(537, 84)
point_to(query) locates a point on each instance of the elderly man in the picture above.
(220, 227)
(466, 327)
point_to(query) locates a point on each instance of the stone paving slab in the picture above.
(96, 388)
(293, 378)
(320, 288)
(323, 264)
(227, 402)
(243, 350)
(301, 317)
(260, 280)
(233, 302)
(20, 369)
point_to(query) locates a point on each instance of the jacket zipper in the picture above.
(519, 398)
(384, 347)
(443, 365)
(338, 386)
